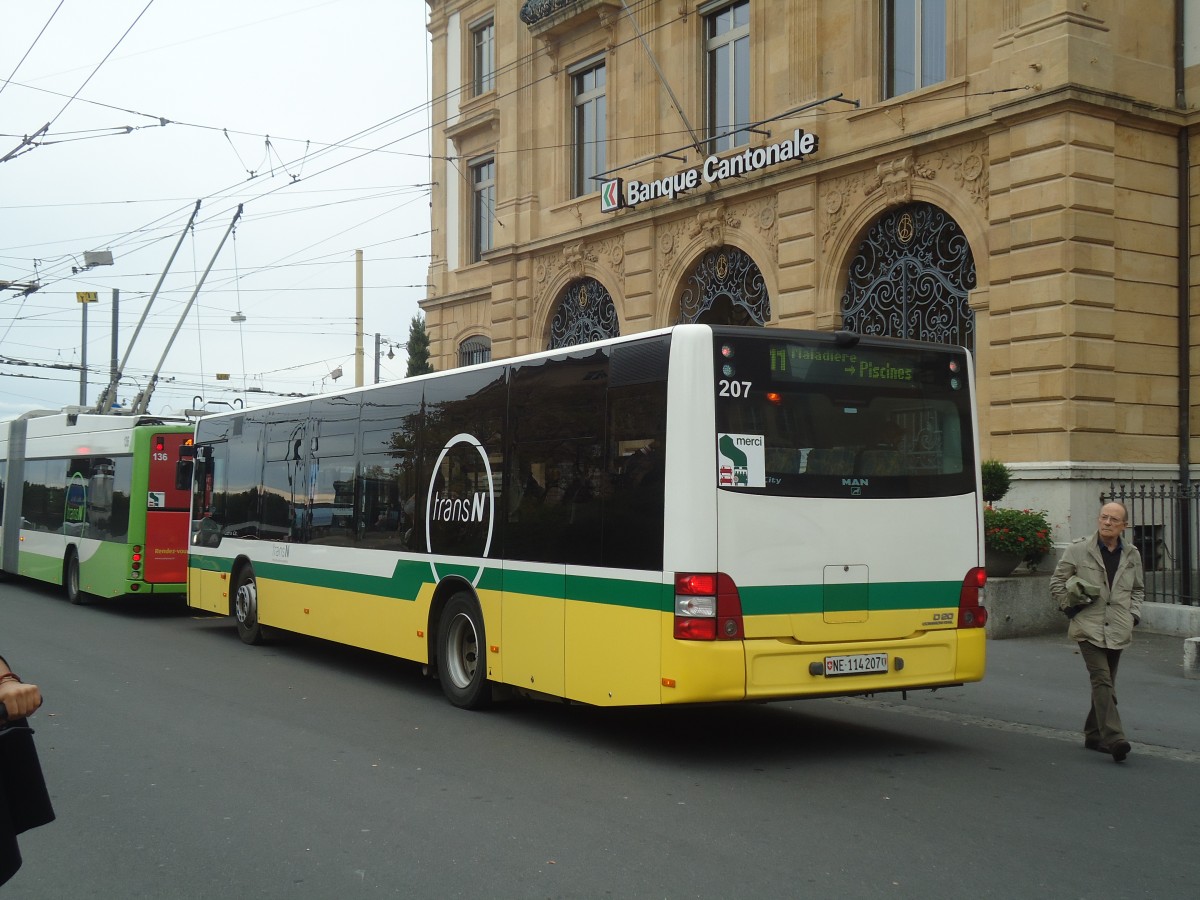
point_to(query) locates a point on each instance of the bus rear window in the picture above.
(817, 420)
(162, 491)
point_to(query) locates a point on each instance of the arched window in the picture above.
(725, 288)
(476, 349)
(585, 313)
(911, 278)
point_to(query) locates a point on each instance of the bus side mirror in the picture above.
(183, 475)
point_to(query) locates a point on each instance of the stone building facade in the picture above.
(1016, 176)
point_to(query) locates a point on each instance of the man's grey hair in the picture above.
(1124, 508)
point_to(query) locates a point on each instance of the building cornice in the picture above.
(548, 18)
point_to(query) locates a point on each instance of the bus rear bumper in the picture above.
(781, 669)
(139, 588)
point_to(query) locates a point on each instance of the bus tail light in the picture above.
(970, 613)
(707, 607)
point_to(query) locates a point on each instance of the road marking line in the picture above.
(1054, 734)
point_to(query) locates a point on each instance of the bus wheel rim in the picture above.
(463, 650)
(246, 603)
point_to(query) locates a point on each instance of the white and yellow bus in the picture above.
(695, 514)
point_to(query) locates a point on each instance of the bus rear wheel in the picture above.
(71, 578)
(245, 606)
(461, 648)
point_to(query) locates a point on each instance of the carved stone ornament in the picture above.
(895, 176)
(613, 250)
(835, 200)
(668, 240)
(969, 166)
(764, 215)
(576, 258)
(710, 225)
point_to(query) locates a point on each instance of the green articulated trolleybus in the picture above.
(90, 502)
(689, 515)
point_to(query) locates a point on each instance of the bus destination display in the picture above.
(829, 365)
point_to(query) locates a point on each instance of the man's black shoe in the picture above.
(1119, 751)
(1094, 744)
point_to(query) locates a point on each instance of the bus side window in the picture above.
(183, 475)
(556, 486)
(633, 513)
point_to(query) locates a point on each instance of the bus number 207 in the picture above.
(733, 388)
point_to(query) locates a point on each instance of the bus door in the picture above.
(534, 582)
(167, 513)
(553, 519)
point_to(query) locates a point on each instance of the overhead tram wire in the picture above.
(155, 223)
(372, 129)
(21, 61)
(29, 145)
(418, 191)
(363, 132)
(87, 203)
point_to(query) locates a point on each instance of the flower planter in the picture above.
(1000, 563)
(1012, 536)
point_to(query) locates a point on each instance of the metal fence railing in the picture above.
(1164, 524)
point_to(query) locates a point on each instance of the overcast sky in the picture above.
(311, 114)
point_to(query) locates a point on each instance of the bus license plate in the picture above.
(861, 664)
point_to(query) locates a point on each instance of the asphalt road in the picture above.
(184, 764)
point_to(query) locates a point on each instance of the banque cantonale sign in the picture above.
(616, 192)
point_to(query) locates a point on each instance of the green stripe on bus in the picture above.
(620, 592)
(816, 598)
(409, 576)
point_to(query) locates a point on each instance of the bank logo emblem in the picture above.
(610, 195)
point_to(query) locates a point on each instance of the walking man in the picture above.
(1099, 585)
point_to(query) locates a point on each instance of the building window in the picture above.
(585, 313)
(588, 87)
(483, 206)
(726, 288)
(728, 48)
(483, 57)
(912, 278)
(914, 45)
(474, 350)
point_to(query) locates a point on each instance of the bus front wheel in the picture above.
(245, 606)
(461, 649)
(71, 578)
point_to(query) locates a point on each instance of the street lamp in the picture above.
(91, 259)
(238, 318)
(392, 347)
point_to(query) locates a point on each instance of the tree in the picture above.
(418, 348)
(996, 478)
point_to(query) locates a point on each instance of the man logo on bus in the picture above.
(460, 514)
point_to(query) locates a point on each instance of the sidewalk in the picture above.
(1041, 680)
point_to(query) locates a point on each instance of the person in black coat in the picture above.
(24, 801)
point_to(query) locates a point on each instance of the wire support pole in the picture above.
(143, 401)
(109, 396)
